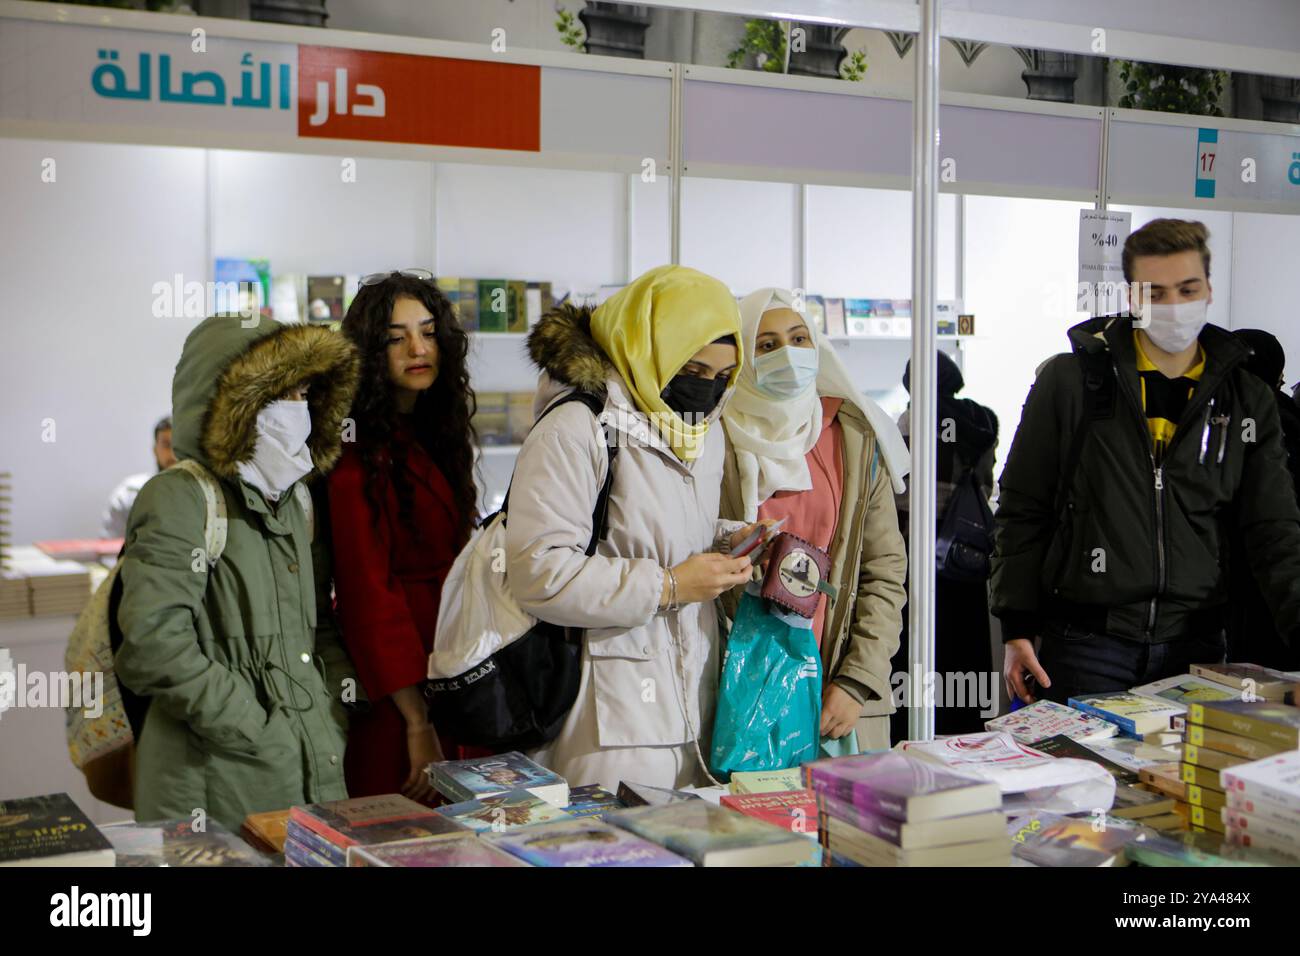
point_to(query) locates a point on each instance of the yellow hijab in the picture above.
(652, 327)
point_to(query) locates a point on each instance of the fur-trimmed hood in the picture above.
(227, 373)
(562, 346)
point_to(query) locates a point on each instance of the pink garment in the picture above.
(813, 514)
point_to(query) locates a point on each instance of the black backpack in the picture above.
(519, 698)
(964, 545)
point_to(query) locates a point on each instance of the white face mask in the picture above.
(1175, 327)
(786, 372)
(280, 457)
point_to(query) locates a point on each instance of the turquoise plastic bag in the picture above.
(770, 701)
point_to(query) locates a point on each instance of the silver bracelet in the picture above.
(672, 590)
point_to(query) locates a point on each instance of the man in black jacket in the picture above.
(1136, 459)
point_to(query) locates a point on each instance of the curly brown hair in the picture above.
(443, 412)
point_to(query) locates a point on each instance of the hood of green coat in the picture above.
(228, 373)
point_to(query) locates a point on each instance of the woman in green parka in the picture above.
(240, 659)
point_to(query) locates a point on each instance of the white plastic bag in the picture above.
(478, 615)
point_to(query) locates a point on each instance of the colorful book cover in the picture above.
(50, 830)
(502, 811)
(177, 843)
(325, 299)
(1261, 720)
(1185, 688)
(455, 851)
(584, 843)
(1051, 839)
(1250, 679)
(894, 784)
(267, 830)
(701, 832)
(449, 286)
(516, 306)
(966, 828)
(815, 312)
(793, 810)
(592, 800)
(491, 419)
(767, 781)
(466, 779)
(295, 832)
(468, 305)
(241, 286)
(493, 305)
(1046, 718)
(297, 855)
(366, 821)
(1134, 714)
(835, 317)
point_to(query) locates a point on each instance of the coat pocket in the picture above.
(643, 643)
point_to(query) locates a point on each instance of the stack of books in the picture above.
(502, 811)
(766, 781)
(584, 843)
(792, 810)
(710, 835)
(1263, 804)
(1222, 736)
(452, 851)
(592, 800)
(179, 843)
(52, 587)
(462, 780)
(1135, 714)
(892, 809)
(1134, 800)
(1252, 681)
(50, 830)
(503, 418)
(327, 834)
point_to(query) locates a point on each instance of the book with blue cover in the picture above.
(592, 800)
(461, 780)
(502, 811)
(583, 843)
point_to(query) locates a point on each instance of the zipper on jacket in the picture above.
(1159, 481)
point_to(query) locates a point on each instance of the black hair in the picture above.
(164, 425)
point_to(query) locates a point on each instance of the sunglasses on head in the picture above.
(424, 275)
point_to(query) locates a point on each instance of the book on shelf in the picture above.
(516, 305)
(1133, 713)
(834, 317)
(584, 843)
(710, 835)
(333, 829)
(502, 811)
(1266, 721)
(178, 843)
(766, 781)
(900, 786)
(240, 285)
(453, 851)
(467, 304)
(491, 419)
(50, 830)
(460, 780)
(1053, 839)
(493, 305)
(1046, 718)
(519, 416)
(1251, 679)
(1185, 688)
(325, 299)
(643, 795)
(815, 312)
(1208, 738)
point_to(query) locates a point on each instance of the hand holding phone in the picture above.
(754, 542)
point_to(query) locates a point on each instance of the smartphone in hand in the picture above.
(755, 541)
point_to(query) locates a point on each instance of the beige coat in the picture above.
(635, 718)
(868, 567)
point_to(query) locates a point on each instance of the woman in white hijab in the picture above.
(805, 445)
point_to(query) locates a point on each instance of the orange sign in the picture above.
(430, 100)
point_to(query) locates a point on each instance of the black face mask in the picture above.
(693, 398)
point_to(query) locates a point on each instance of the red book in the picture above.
(792, 810)
(366, 821)
(81, 549)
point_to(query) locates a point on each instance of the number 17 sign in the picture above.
(1207, 145)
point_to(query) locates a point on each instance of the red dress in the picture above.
(388, 574)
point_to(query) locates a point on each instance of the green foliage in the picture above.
(855, 67)
(570, 29)
(1171, 89)
(764, 39)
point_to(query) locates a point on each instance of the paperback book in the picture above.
(584, 843)
(460, 780)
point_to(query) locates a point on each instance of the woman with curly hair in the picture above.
(402, 503)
